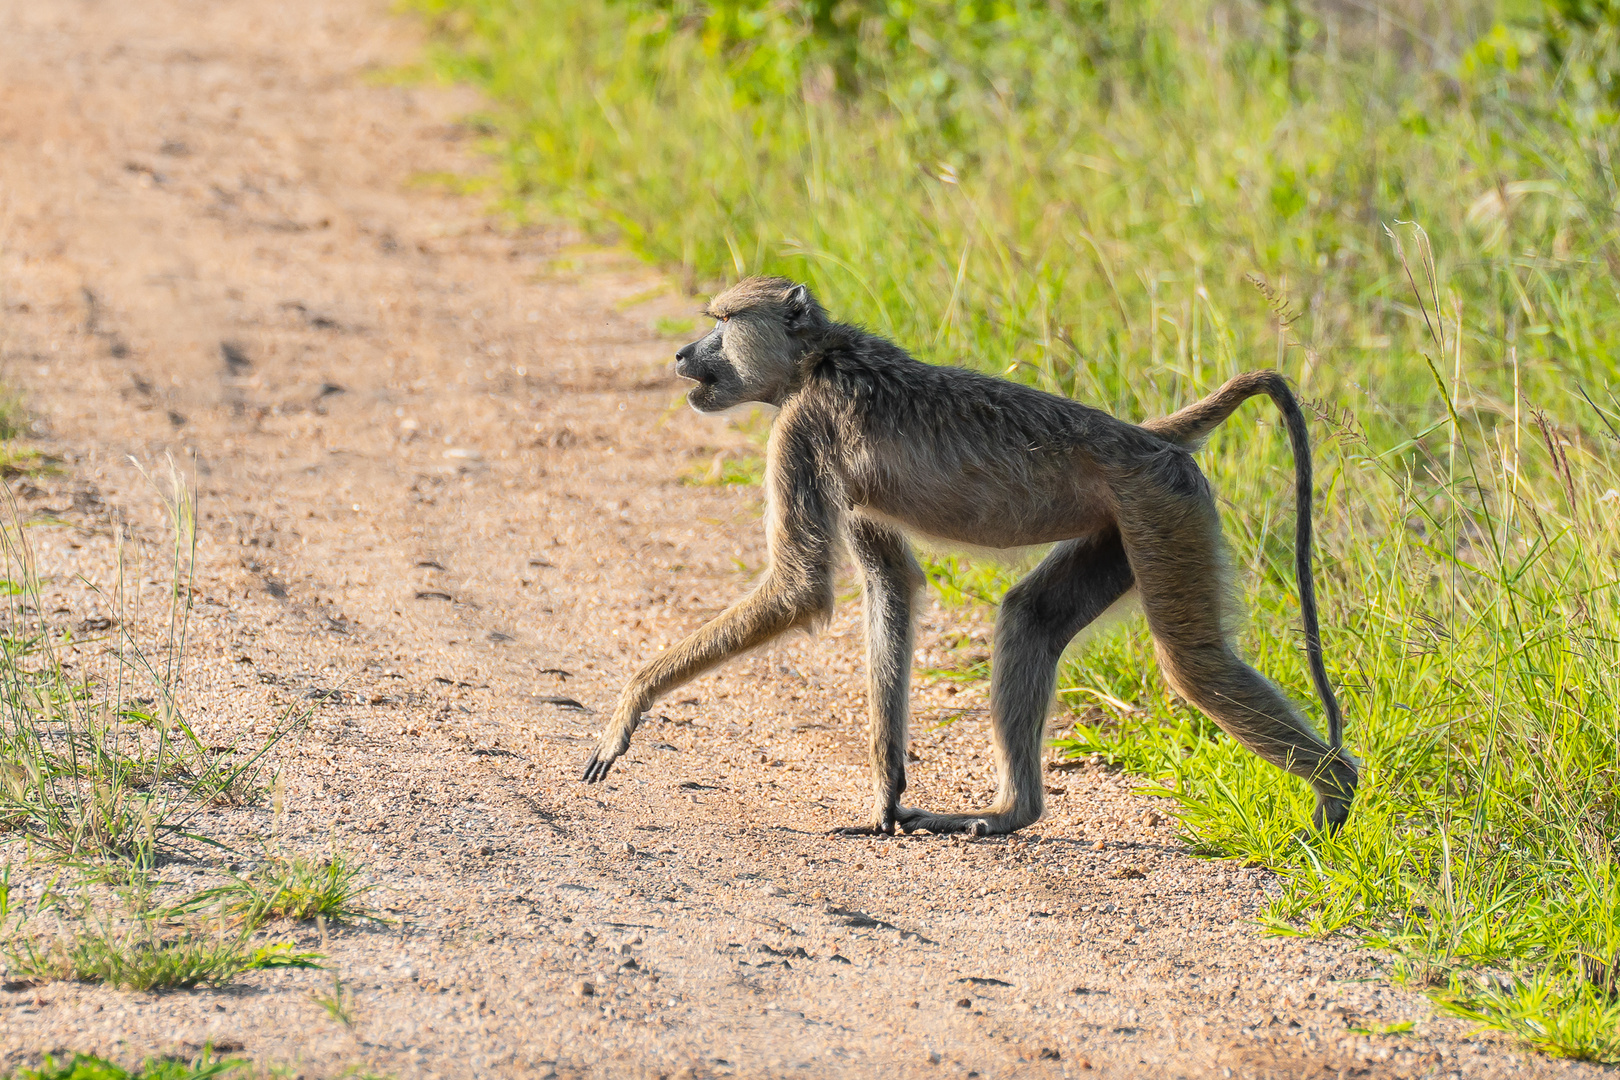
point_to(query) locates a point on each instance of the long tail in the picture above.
(1192, 425)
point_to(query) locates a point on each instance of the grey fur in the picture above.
(871, 443)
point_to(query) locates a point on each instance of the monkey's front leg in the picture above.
(892, 578)
(771, 609)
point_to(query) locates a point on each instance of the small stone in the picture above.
(964, 1003)
(628, 848)
(1151, 818)
(1049, 1053)
(1083, 1064)
(1101, 845)
(584, 989)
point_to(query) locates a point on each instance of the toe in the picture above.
(596, 769)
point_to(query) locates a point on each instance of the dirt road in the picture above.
(441, 464)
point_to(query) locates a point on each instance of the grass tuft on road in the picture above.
(103, 780)
(99, 760)
(293, 887)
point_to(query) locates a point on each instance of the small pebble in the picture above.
(964, 1003)
(584, 989)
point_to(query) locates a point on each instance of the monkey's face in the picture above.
(763, 328)
(719, 386)
(744, 358)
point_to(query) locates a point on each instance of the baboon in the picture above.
(870, 444)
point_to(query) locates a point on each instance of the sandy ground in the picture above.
(440, 467)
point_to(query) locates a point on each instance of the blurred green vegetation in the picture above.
(1409, 208)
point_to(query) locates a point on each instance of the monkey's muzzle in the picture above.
(684, 363)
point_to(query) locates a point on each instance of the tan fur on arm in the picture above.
(805, 516)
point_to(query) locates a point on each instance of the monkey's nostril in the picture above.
(683, 360)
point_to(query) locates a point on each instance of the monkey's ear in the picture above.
(801, 307)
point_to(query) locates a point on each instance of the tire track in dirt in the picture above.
(439, 465)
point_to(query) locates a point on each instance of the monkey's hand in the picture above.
(615, 741)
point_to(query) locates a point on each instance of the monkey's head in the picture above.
(763, 327)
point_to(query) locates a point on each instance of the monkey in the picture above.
(871, 446)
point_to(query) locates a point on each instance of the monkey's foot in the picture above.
(988, 824)
(876, 828)
(602, 759)
(1330, 814)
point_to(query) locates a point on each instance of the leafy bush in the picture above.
(924, 50)
(1583, 39)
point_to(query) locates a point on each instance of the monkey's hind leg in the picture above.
(1174, 548)
(1073, 585)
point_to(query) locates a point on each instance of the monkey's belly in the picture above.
(970, 514)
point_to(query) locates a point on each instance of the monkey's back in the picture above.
(963, 456)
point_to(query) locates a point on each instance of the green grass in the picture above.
(94, 1067)
(142, 959)
(727, 470)
(339, 1004)
(1419, 229)
(103, 780)
(100, 760)
(106, 924)
(298, 888)
(205, 1066)
(293, 887)
(664, 326)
